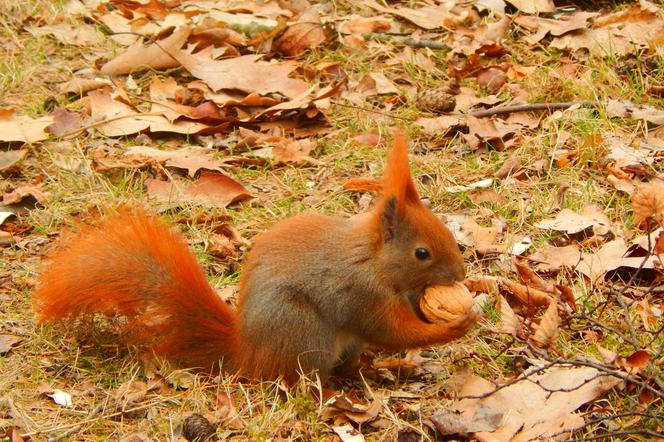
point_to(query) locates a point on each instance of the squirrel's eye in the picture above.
(422, 253)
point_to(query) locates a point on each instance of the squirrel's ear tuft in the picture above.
(397, 182)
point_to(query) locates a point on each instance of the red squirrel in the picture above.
(315, 289)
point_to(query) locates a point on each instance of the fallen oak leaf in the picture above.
(22, 193)
(15, 128)
(529, 296)
(307, 33)
(509, 321)
(571, 222)
(64, 122)
(157, 56)
(648, 202)
(7, 342)
(546, 332)
(538, 406)
(190, 159)
(246, 73)
(211, 190)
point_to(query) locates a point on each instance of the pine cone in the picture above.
(437, 101)
(197, 428)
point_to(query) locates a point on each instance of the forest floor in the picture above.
(558, 207)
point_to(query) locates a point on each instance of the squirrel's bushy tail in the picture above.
(135, 267)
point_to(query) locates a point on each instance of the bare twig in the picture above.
(530, 107)
(406, 40)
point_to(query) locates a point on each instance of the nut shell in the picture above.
(442, 303)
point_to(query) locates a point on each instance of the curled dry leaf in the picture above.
(530, 296)
(530, 278)
(226, 412)
(648, 202)
(546, 332)
(509, 321)
(139, 58)
(482, 284)
(341, 409)
(635, 362)
(306, 34)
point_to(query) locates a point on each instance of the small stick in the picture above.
(406, 40)
(527, 107)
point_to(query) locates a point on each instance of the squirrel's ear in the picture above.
(397, 182)
(389, 218)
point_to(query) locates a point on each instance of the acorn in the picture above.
(446, 303)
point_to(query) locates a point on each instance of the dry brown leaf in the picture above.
(307, 33)
(376, 83)
(64, 122)
(556, 27)
(427, 17)
(188, 158)
(509, 321)
(482, 284)
(530, 412)
(530, 278)
(488, 196)
(629, 110)
(14, 128)
(648, 202)
(226, 413)
(546, 332)
(470, 234)
(528, 295)
(9, 158)
(80, 86)
(340, 406)
(611, 256)
(138, 58)
(122, 119)
(288, 151)
(488, 130)
(355, 24)
(633, 363)
(22, 193)
(210, 190)
(621, 33)
(571, 222)
(533, 6)
(131, 393)
(551, 258)
(246, 73)
(81, 34)
(492, 79)
(7, 342)
(105, 159)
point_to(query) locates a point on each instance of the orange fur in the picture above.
(134, 266)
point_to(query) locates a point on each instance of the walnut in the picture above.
(442, 303)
